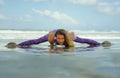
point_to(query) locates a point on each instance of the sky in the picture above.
(54, 14)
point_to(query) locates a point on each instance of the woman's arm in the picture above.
(51, 36)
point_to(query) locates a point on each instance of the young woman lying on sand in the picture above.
(59, 37)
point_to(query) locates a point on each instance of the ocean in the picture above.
(98, 62)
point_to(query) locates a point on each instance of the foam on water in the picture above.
(27, 34)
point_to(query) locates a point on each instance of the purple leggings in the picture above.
(34, 41)
(45, 38)
(87, 41)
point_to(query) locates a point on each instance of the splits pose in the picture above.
(56, 37)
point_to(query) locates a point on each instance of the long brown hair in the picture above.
(68, 41)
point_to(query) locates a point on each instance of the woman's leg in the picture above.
(34, 41)
(87, 41)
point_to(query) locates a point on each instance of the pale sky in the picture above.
(53, 14)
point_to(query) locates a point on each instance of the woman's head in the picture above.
(60, 36)
(63, 38)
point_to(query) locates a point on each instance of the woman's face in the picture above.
(60, 39)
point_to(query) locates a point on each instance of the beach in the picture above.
(98, 62)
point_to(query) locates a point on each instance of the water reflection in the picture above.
(97, 62)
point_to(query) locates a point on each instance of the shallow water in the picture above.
(99, 62)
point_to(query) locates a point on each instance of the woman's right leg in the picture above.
(34, 41)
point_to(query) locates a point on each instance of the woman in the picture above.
(58, 37)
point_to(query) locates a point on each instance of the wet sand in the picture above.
(100, 62)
